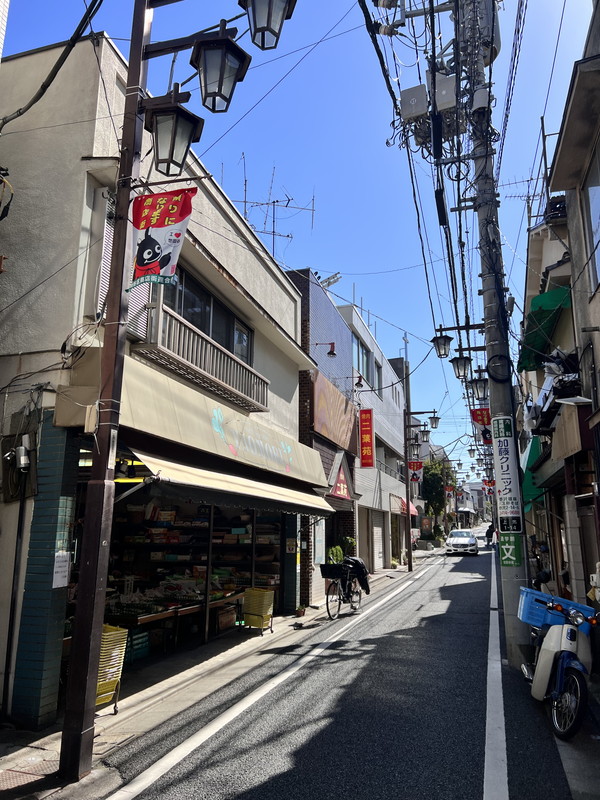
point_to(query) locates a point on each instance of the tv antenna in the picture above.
(271, 207)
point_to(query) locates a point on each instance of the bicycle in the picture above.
(343, 588)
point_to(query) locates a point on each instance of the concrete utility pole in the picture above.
(476, 50)
(476, 45)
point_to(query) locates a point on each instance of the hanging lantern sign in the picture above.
(415, 470)
(367, 443)
(483, 422)
(159, 225)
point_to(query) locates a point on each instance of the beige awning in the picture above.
(566, 440)
(222, 488)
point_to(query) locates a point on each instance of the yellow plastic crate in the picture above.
(258, 609)
(112, 655)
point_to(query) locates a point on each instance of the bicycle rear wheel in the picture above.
(355, 595)
(333, 599)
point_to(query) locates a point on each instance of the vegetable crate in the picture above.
(533, 611)
(112, 655)
(258, 609)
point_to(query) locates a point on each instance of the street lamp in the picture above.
(480, 385)
(425, 433)
(434, 420)
(266, 18)
(173, 129)
(461, 366)
(441, 342)
(221, 65)
(471, 452)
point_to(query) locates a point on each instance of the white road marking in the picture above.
(495, 775)
(147, 778)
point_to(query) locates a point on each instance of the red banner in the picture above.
(159, 226)
(415, 470)
(367, 439)
(449, 491)
(483, 422)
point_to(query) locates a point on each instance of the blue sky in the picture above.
(311, 120)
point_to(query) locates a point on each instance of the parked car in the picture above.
(462, 541)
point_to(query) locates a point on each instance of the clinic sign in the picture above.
(508, 487)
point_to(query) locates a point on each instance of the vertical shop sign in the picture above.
(511, 549)
(506, 468)
(159, 225)
(319, 542)
(367, 444)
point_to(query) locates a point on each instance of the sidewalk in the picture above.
(158, 689)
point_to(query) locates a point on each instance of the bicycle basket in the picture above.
(333, 571)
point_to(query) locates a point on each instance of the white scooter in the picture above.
(563, 660)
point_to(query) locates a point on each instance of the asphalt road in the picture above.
(388, 703)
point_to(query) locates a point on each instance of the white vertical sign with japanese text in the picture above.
(506, 466)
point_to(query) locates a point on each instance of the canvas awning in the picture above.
(543, 316)
(466, 510)
(224, 489)
(531, 492)
(398, 506)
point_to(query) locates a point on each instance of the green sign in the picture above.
(502, 427)
(511, 549)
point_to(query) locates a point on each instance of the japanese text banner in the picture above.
(415, 470)
(367, 443)
(159, 225)
(482, 421)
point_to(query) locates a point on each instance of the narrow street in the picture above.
(393, 702)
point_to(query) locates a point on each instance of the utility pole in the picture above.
(475, 47)
(512, 546)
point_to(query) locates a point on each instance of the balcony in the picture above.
(180, 348)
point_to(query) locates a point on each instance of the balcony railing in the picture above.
(179, 347)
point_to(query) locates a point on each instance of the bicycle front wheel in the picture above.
(333, 599)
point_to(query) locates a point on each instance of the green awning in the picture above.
(542, 319)
(530, 491)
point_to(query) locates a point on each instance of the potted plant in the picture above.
(300, 611)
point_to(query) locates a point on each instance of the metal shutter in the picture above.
(138, 297)
(378, 549)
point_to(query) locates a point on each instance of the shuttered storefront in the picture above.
(377, 521)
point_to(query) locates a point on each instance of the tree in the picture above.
(433, 488)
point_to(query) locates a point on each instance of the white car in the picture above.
(462, 541)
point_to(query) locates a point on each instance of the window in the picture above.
(591, 195)
(378, 378)
(362, 359)
(200, 308)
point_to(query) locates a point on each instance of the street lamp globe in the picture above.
(471, 452)
(221, 65)
(425, 434)
(266, 18)
(173, 129)
(434, 420)
(441, 342)
(479, 386)
(461, 366)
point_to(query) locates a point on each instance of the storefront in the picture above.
(208, 503)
